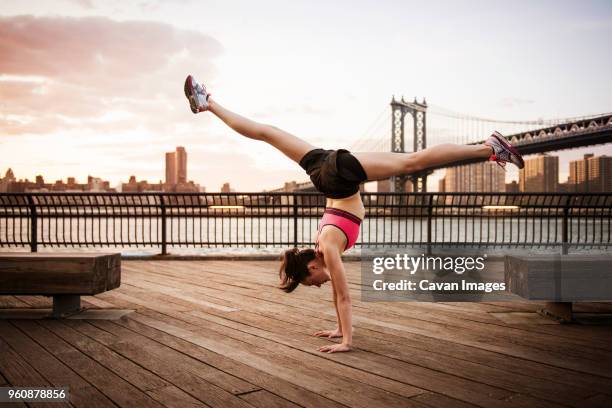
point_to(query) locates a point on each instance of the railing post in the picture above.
(163, 229)
(564, 229)
(429, 216)
(33, 225)
(295, 221)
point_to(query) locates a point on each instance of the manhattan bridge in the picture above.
(405, 126)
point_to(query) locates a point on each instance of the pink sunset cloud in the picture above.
(60, 73)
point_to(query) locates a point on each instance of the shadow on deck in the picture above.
(219, 334)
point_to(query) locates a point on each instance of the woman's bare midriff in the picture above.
(352, 204)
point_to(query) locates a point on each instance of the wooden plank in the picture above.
(598, 401)
(82, 394)
(41, 274)
(116, 388)
(173, 397)
(39, 302)
(526, 401)
(20, 374)
(264, 380)
(173, 366)
(265, 399)
(154, 386)
(125, 368)
(435, 400)
(10, 302)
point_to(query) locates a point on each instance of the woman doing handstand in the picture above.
(337, 174)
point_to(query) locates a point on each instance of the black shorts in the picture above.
(335, 173)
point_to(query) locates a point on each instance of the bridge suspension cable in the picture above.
(377, 134)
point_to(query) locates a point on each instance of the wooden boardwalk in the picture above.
(219, 334)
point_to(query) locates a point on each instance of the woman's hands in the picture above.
(329, 333)
(335, 348)
(332, 348)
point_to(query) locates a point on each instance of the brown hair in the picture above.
(294, 267)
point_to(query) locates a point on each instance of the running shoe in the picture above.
(196, 94)
(503, 151)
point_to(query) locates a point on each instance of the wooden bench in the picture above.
(560, 280)
(65, 276)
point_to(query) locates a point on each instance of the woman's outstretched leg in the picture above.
(292, 146)
(381, 165)
(200, 101)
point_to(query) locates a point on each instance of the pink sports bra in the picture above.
(347, 223)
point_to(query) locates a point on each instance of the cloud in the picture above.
(91, 95)
(80, 68)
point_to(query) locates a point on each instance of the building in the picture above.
(385, 186)
(478, 177)
(171, 172)
(226, 188)
(592, 174)
(176, 173)
(181, 164)
(97, 184)
(540, 174)
(6, 181)
(133, 186)
(10, 184)
(512, 187)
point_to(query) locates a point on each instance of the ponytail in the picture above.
(294, 267)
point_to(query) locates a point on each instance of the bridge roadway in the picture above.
(580, 133)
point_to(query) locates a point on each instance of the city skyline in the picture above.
(541, 174)
(108, 100)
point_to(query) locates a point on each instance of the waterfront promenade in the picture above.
(219, 334)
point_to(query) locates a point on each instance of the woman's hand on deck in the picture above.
(335, 348)
(329, 333)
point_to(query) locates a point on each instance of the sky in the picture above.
(93, 87)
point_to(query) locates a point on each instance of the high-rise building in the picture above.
(591, 174)
(478, 177)
(171, 173)
(226, 188)
(181, 164)
(540, 174)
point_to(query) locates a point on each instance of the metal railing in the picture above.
(164, 220)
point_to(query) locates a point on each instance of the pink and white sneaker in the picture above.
(503, 151)
(196, 94)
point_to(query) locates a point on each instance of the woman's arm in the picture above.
(337, 332)
(342, 299)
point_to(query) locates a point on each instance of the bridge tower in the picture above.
(399, 109)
